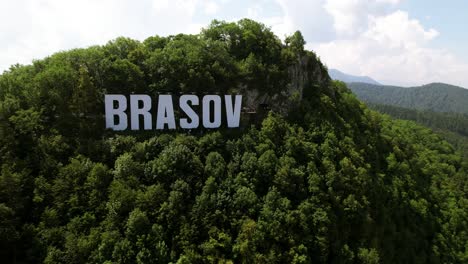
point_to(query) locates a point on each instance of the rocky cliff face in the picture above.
(306, 77)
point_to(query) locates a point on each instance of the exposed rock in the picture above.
(307, 73)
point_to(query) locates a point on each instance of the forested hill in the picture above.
(318, 179)
(438, 97)
(452, 126)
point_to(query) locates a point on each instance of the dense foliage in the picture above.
(331, 182)
(437, 97)
(452, 126)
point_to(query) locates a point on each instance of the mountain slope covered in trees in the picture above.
(437, 97)
(452, 126)
(327, 181)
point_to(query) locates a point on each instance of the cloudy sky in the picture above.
(402, 42)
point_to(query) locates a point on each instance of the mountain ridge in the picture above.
(437, 97)
(348, 78)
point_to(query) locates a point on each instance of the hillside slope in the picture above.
(437, 97)
(322, 180)
(451, 126)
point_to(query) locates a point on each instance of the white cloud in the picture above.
(308, 16)
(373, 38)
(364, 37)
(394, 49)
(33, 29)
(393, 2)
(350, 17)
(211, 7)
(397, 29)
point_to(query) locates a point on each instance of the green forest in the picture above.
(453, 127)
(436, 97)
(318, 178)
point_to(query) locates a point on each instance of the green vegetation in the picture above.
(439, 106)
(328, 182)
(453, 127)
(437, 97)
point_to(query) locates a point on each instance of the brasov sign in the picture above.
(141, 104)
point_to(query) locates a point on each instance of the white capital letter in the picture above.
(165, 112)
(206, 111)
(233, 115)
(183, 102)
(111, 111)
(144, 111)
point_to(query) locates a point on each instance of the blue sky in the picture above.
(400, 42)
(450, 18)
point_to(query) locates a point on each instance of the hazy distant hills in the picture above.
(437, 97)
(440, 106)
(347, 78)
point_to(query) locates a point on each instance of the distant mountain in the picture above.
(437, 97)
(347, 78)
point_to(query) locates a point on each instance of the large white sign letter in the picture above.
(144, 111)
(233, 113)
(109, 100)
(207, 99)
(165, 112)
(183, 102)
